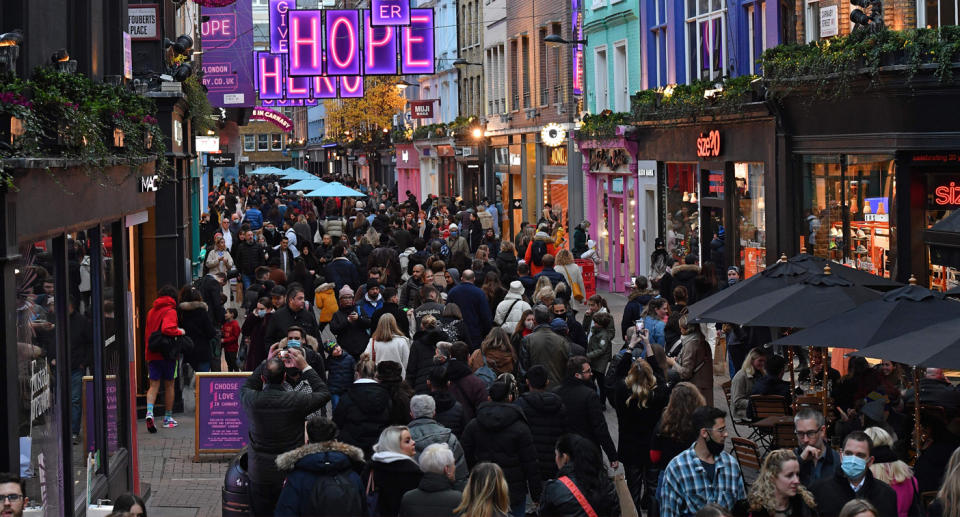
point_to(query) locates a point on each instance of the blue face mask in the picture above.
(453, 234)
(293, 343)
(853, 466)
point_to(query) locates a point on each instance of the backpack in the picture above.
(335, 495)
(485, 373)
(537, 251)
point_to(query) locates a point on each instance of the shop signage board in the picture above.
(274, 117)
(207, 144)
(143, 22)
(88, 416)
(609, 160)
(421, 109)
(227, 42)
(516, 204)
(222, 160)
(708, 144)
(220, 423)
(279, 29)
(829, 21)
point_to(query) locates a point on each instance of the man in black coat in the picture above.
(584, 407)
(340, 270)
(500, 434)
(275, 424)
(293, 313)
(450, 413)
(211, 290)
(547, 418)
(854, 481)
(391, 305)
(637, 301)
(249, 255)
(350, 325)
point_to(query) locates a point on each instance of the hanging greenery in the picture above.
(690, 101)
(199, 106)
(602, 125)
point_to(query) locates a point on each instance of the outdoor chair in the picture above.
(748, 456)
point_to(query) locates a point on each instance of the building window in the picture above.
(706, 39)
(937, 13)
(602, 100)
(812, 22)
(276, 142)
(249, 143)
(514, 75)
(263, 142)
(658, 44)
(558, 66)
(542, 56)
(526, 71)
(621, 95)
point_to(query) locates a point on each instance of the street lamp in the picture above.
(403, 84)
(477, 133)
(463, 62)
(556, 39)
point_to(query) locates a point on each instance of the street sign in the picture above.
(222, 160)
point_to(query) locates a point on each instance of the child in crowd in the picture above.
(231, 339)
(340, 368)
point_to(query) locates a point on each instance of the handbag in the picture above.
(373, 498)
(578, 496)
(627, 506)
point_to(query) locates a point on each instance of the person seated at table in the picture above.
(813, 375)
(892, 379)
(817, 459)
(778, 490)
(936, 390)
(772, 383)
(859, 381)
(741, 387)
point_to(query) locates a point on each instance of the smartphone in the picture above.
(639, 324)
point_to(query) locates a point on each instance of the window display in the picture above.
(683, 216)
(941, 202)
(752, 217)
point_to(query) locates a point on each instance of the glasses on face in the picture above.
(13, 498)
(807, 434)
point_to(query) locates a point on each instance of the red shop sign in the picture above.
(709, 145)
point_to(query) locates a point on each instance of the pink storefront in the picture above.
(621, 205)
(408, 170)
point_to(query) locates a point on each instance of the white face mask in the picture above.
(528, 324)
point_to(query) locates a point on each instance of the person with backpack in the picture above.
(321, 477)
(542, 244)
(161, 318)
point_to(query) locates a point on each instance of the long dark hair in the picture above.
(588, 465)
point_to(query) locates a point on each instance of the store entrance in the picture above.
(618, 267)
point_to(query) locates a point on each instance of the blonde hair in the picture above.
(640, 381)
(542, 283)
(949, 492)
(752, 356)
(387, 328)
(564, 257)
(763, 491)
(889, 473)
(390, 439)
(545, 295)
(855, 507)
(486, 493)
(428, 322)
(366, 368)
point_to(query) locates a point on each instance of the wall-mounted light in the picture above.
(10, 50)
(62, 62)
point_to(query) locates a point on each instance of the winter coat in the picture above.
(574, 277)
(579, 241)
(528, 254)
(254, 217)
(509, 313)
(426, 432)
(686, 275)
(351, 336)
(393, 477)
(458, 244)
(454, 329)
(741, 387)
(334, 227)
(285, 318)
(231, 336)
(500, 434)
(162, 316)
(499, 360)
(475, 307)
(434, 497)
(466, 387)
(213, 263)
(255, 328)
(547, 417)
(832, 493)
(450, 413)
(420, 360)
(798, 508)
(274, 416)
(403, 321)
(507, 265)
(695, 364)
(556, 278)
(363, 413)
(638, 301)
(340, 371)
(195, 320)
(325, 300)
(559, 501)
(547, 348)
(599, 346)
(637, 422)
(410, 293)
(314, 468)
(585, 413)
(249, 256)
(342, 272)
(396, 350)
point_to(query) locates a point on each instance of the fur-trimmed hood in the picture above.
(311, 342)
(685, 271)
(324, 451)
(324, 287)
(192, 306)
(542, 236)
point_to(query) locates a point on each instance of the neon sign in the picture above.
(351, 87)
(380, 45)
(270, 75)
(304, 43)
(947, 195)
(390, 12)
(417, 44)
(709, 145)
(278, 25)
(343, 42)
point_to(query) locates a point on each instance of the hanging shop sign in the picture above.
(222, 160)
(390, 12)
(421, 109)
(553, 134)
(558, 157)
(274, 117)
(829, 25)
(143, 22)
(609, 160)
(708, 145)
(207, 144)
(328, 52)
(227, 42)
(577, 50)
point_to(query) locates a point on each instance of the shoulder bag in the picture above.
(578, 496)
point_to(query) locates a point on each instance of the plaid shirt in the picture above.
(685, 488)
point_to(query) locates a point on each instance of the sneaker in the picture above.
(150, 425)
(169, 422)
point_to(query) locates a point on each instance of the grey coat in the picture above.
(426, 431)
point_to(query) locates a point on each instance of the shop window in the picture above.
(276, 142)
(937, 13)
(263, 142)
(752, 217)
(249, 143)
(812, 23)
(706, 39)
(938, 206)
(682, 222)
(555, 193)
(847, 201)
(602, 85)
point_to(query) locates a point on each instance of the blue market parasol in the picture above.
(306, 184)
(335, 189)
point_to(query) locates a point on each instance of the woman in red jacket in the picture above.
(162, 316)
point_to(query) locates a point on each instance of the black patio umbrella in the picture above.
(856, 276)
(897, 312)
(935, 346)
(801, 304)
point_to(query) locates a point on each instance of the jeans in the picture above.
(247, 280)
(334, 400)
(76, 399)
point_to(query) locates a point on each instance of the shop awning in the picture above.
(944, 241)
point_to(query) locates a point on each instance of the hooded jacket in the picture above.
(410, 293)
(420, 360)
(367, 307)
(426, 432)
(195, 321)
(362, 413)
(599, 346)
(450, 413)
(686, 275)
(638, 301)
(342, 272)
(351, 336)
(500, 434)
(340, 372)
(528, 255)
(507, 265)
(393, 475)
(547, 418)
(162, 316)
(509, 313)
(311, 469)
(466, 387)
(325, 299)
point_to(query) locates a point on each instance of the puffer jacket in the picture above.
(426, 432)
(393, 475)
(325, 299)
(420, 360)
(312, 468)
(450, 413)
(507, 265)
(334, 227)
(362, 413)
(500, 434)
(340, 372)
(509, 313)
(195, 321)
(547, 417)
(559, 501)
(528, 255)
(599, 346)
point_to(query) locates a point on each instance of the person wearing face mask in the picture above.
(253, 330)
(777, 492)
(854, 481)
(733, 275)
(349, 325)
(456, 242)
(703, 473)
(584, 406)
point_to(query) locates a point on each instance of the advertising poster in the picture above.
(221, 424)
(227, 38)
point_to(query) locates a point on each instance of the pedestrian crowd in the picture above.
(407, 359)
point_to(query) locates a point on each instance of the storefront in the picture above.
(621, 206)
(408, 170)
(713, 179)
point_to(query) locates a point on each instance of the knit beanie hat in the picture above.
(346, 291)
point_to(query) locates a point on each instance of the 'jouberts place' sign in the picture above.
(324, 54)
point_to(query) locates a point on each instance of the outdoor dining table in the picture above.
(772, 421)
